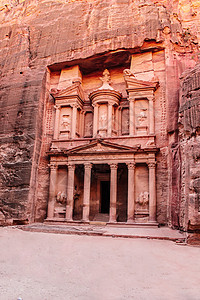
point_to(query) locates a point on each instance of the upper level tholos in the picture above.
(95, 108)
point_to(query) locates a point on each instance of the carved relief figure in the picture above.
(65, 124)
(88, 128)
(76, 193)
(125, 121)
(103, 119)
(143, 199)
(142, 117)
(61, 198)
(88, 124)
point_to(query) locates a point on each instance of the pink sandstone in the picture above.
(100, 112)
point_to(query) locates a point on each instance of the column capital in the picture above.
(152, 165)
(74, 105)
(57, 106)
(131, 165)
(95, 104)
(88, 165)
(131, 99)
(113, 166)
(71, 166)
(110, 103)
(53, 166)
(151, 98)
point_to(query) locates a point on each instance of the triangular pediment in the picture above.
(100, 146)
(133, 83)
(73, 90)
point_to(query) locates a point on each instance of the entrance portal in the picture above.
(105, 197)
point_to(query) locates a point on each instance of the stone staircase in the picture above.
(100, 219)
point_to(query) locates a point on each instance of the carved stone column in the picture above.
(52, 190)
(151, 116)
(152, 191)
(86, 195)
(57, 121)
(70, 193)
(131, 117)
(110, 108)
(82, 123)
(113, 193)
(117, 121)
(131, 192)
(95, 119)
(74, 120)
(120, 121)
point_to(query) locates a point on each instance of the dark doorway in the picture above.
(105, 197)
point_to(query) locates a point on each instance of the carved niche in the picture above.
(65, 122)
(141, 189)
(141, 104)
(142, 117)
(69, 103)
(125, 121)
(88, 128)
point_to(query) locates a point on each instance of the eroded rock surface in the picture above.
(39, 38)
(189, 135)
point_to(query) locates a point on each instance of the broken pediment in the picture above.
(133, 84)
(100, 146)
(74, 90)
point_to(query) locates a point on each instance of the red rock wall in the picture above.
(189, 148)
(37, 34)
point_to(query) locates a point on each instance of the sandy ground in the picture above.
(43, 266)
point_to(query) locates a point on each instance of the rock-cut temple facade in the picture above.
(103, 152)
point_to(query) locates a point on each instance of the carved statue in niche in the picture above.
(142, 117)
(143, 199)
(125, 121)
(88, 128)
(103, 119)
(88, 131)
(76, 193)
(65, 124)
(61, 198)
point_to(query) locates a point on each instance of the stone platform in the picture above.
(163, 233)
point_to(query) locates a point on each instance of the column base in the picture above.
(112, 222)
(69, 220)
(85, 221)
(130, 221)
(50, 219)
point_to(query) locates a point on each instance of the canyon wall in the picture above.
(39, 38)
(189, 153)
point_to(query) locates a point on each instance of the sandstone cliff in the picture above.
(38, 35)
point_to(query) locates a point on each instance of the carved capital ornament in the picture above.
(71, 167)
(152, 165)
(88, 166)
(113, 166)
(53, 166)
(131, 166)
